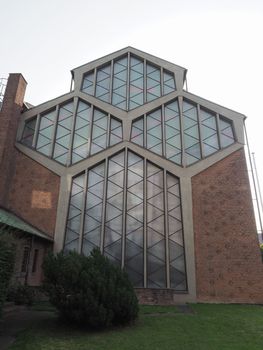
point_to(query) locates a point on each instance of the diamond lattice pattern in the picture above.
(69, 135)
(170, 133)
(128, 82)
(125, 214)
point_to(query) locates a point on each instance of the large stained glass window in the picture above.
(132, 210)
(128, 82)
(69, 135)
(182, 136)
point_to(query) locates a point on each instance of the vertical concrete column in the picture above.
(9, 118)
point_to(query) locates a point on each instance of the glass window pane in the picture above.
(145, 193)
(191, 133)
(153, 82)
(168, 82)
(74, 216)
(88, 84)
(119, 92)
(28, 133)
(63, 133)
(226, 132)
(45, 133)
(103, 83)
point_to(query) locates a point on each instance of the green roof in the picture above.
(12, 220)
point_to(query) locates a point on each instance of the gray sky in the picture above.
(219, 42)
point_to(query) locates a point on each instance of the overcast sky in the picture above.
(219, 42)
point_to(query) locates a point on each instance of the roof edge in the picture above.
(34, 231)
(125, 50)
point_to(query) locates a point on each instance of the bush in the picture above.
(7, 261)
(89, 291)
(261, 249)
(21, 294)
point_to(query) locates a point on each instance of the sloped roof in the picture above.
(151, 58)
(12, 220)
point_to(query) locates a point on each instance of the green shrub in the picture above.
(89, 291)
(7, 261)
(261, 249)
(21, 294)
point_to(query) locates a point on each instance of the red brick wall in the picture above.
(9, 118)
(148, 296)
(26, 188)
(228, 261)
(33, 278)
(33, 193)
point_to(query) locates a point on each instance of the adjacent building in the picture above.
(131, 162)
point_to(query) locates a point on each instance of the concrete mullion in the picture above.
(124, 207)
(82, 222)
(53, 139)
(163, 132)
(111, 82)
(180, 104)
(63, 208)
(145, 131)
(104, 203)
(34, 143)
(94, 82)
(218, 130)
(128, 81)
(166, 230)
(74, 116)
(145, 223)
(144, 81)
(90, 130)
(108, 130)
(184, 231)
(200, 131)
(162, 82)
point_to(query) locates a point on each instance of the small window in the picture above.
(25, 259)
(35, 260)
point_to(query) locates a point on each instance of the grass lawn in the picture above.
(209, 327)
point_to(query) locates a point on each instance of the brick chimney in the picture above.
(9, 118)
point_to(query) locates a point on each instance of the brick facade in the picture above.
(9, 119)
(33, 274)
(228, 261)
(27, 188)
(38, 190)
